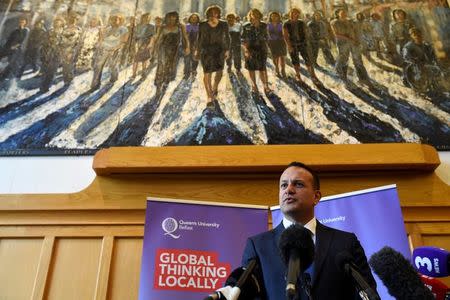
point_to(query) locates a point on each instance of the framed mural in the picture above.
(80, 75)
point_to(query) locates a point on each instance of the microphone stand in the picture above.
(306, 284)
(363, 288)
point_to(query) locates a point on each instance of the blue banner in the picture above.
(374, 215)
(190, 248)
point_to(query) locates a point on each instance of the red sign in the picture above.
(189, 270)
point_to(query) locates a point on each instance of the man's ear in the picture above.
(317, 196)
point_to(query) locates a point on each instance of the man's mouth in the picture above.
(289, 200)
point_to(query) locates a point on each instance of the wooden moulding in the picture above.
(264, 158)
(235, 174)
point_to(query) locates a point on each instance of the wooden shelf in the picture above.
(267, 158)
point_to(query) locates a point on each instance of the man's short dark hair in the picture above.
(316, 181)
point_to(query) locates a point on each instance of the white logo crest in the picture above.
(170, 225)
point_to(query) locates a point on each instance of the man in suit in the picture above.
(299, 192)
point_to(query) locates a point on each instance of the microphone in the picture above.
(398, 275)
(344, 261)
(432, 261)
(240, 284)
(225, 293)
(437, 287)
(297, 251)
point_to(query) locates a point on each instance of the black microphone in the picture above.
(219, 294)
(240, 284)
(297, 251)
(344, 261)
(398, 275)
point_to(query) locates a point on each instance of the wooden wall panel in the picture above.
(19, 259)
(125, 269)
(74, 268)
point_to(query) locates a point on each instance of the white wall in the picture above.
(44, 175)
(443, 170)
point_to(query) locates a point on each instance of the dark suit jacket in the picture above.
(328, 281)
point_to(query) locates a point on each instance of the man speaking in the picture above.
(299, 192)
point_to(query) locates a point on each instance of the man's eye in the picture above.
(299, 184)
(283, 185)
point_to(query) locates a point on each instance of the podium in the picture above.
(88, 244)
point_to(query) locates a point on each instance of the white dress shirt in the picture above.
(311, 226)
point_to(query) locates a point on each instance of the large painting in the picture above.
(80, 75)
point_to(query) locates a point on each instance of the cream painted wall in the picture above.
(38, 175)
(44, 175)
(443, 170)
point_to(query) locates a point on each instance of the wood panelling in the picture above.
(43, 268)
(125, 269)
(19, 259)
(74, 268)
(88, 245)
(101, 285)
(71, 231)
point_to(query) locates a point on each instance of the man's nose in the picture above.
(291, 188)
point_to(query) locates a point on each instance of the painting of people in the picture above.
(77, 76)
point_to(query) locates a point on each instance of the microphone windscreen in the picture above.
(432, 261)
(297, 239)
(398, 275)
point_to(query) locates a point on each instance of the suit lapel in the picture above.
(323, 241)
(277, 234)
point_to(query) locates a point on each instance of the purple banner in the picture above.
(373, 215)
(190, 248)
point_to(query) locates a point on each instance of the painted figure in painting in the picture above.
(364, 34)
(421, 70)
(295, 34)
(320, 38)
(235, 31)
(90, 39)
(14, 48)
(143, 37)
(276, 43)
(378, 33)
(51, 55)
(190, 63)
(254, 40)
(108, 53)
(33, 49)
(129, 49)
(348, 43)
(171, 35)
(69, 47)
(399, 30)
(213, 49)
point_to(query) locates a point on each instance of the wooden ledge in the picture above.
(265, 158)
